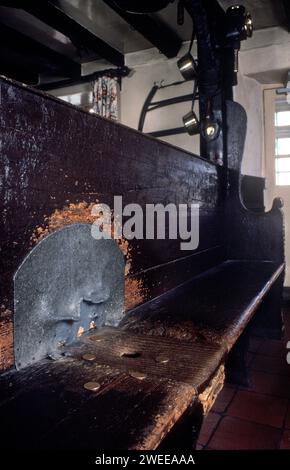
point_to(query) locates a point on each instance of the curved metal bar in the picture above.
(146, 104)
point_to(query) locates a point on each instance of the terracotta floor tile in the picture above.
(271, 364)
(208, 426)
(269, 384)
(224, 399)
(235, 434)
(259, 408)
(285, 441)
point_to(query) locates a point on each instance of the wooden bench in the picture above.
(188, 316)
(160, 372)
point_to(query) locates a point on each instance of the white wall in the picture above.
(150, 66)
(249, 93)
(264, 58)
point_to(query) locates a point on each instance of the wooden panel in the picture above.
(253, 235)
(57, 161)
(252, 192)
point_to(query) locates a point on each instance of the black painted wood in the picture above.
(20, 53)
(54, 156)
(81, 37)
(217, 305)
(252, 192)
(55, 162)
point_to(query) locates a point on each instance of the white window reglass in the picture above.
(283, 146)
(283, 179)
(282, 164)
(282, 118)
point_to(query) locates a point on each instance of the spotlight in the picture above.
(210, 129)
(191, 123)
(240, 23)
(187, 67)
(249, 25)
(239, 27)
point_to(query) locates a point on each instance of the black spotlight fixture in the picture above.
(187, 64)
(239, 27)
(187, 67)
(190, 120)
(210, 126)
(142, 6)
(240, 23)
(191, 123)
(211, 129)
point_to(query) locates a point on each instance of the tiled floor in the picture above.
(257, 417)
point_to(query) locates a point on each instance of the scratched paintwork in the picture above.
(57, 161)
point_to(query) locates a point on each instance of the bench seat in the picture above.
(158, 367)
(215, 306)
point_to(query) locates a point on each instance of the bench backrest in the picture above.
(56, 161)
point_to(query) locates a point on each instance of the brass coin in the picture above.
(92, 386)
(89, 357)
(95, 340)
(162, 359)
(138, 375)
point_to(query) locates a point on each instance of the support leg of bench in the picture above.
(236, 364)
(185, 433)
(268, 322)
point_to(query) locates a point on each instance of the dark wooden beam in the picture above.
(23, 53)
(117, 73)
(158, 33)
(80, 36)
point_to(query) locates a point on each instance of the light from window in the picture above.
(283, 179)
(282, 164)
(283, 146)
(282, 118)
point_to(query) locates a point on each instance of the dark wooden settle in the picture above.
(188, 314)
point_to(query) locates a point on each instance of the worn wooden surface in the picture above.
(47, 406)
(147, 382)
(215, 306)
(189, 362)
(57, 161)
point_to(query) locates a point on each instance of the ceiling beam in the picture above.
(154, 30)
(80, 36)
(27, 55)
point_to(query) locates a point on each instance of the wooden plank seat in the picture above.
(215, 306)
(163, 364)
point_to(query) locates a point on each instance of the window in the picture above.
(84, 99)
(282, 142)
